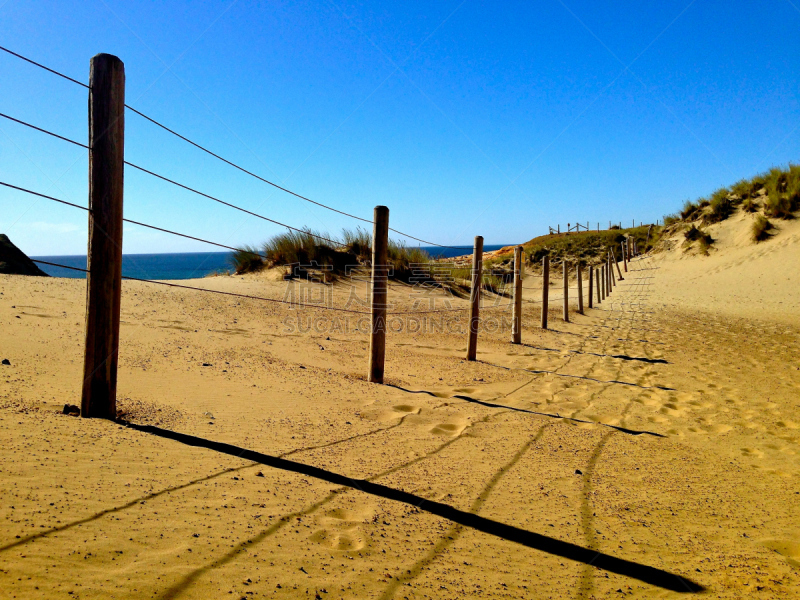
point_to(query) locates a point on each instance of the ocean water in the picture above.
(186, 265)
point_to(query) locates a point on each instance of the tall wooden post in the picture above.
(104, 257)
(565, 269)
(591, 282)
(545, 289)
(475, 298)
(624, 256)
(380, 288)
(580, 288)
(516, 320)
(604, 280)
(614, 260)
(597, 283)
(611, 273)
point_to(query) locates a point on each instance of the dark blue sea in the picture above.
(186, 265)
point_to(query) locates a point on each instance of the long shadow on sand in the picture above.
(544, 371)
(619, 356)
(525, 410)
(645, 573)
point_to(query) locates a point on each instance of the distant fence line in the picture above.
(577, 227)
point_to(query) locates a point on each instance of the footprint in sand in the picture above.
(341, 528)
(338, 540)
(719, 428)
(407, 408)
(449, 429)
(604, 419)
(658, 419)
(752, 452)
(672, 409)
(789, 549)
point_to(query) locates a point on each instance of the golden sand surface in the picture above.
(647, 448)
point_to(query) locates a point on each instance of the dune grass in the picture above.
(779, 186)
(308, 252)
(761, 229)
(704, 239)
(750, 205)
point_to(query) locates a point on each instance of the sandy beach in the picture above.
(648, 448)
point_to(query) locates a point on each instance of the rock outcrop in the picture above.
(14, 262)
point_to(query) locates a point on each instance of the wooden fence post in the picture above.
(605, 280)
(516, 320)
(545, 289)
(475, 298)
(616, 262)
(597, 283)
(591, 282)
(612, 281)
(104, 260)
(565, 270)
(624, 256)
(580, 288)
(380, 286)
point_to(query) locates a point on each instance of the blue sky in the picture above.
(465, 118)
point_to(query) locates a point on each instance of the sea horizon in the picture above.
(188, 265)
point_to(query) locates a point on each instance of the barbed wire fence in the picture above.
(104, 275)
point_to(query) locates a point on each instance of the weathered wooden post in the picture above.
(624, 256)
(380, 287)
(545, 289)
(604, 279)
(104, 256)
(591, 281)
(565, 269)
(611, 273)
(597, 282)
(516, 320)
(611, 281)
(614, 260)
(580, 288)
(475, 298)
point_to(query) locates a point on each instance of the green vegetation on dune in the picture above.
(308, 250)
(775, 193)
(586, 247)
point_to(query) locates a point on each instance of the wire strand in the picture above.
(41, 66)
(217, 156)
(55, 135)
(234, 206)
(275, 185)
(173, 182)
(8, 185)
(189, 287)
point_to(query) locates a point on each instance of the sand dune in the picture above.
(647, 448)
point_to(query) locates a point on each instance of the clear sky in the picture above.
(464, 117)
